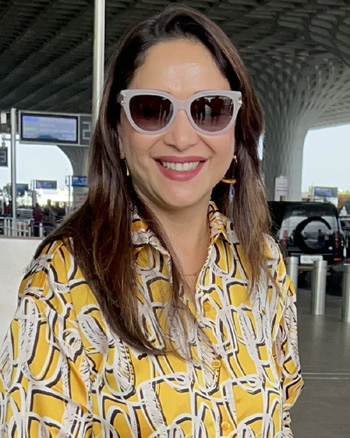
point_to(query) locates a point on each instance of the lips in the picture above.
(180, 168)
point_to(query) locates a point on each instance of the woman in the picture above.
(148, 313)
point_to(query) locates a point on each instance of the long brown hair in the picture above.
(99, 233)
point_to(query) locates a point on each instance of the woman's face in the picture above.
(180, 68)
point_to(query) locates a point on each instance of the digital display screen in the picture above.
(79, 181)
(325, 192)
(39, 184)
(49, 128)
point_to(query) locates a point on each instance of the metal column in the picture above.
(318, 287)
(346, 294)
(292, 270)
(98, 58)
(13, 164)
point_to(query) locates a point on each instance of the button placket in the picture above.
(216, 364)
(207, 306)
(225, 425)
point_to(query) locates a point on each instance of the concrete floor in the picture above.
(323, 409)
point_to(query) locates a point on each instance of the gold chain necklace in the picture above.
(195, 274)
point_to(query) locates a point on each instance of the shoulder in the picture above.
(54, 291)
(53, 269)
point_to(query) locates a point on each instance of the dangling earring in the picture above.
(127, 168)
(232, 180)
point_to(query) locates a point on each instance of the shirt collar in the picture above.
(219, 224)
(142, 235)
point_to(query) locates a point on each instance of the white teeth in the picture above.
(180, 167)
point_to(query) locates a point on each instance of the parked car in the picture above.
(308, 230)
(345, 224)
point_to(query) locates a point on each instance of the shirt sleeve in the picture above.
(287, 355)
(44, 377)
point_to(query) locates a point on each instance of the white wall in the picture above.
(15, 256)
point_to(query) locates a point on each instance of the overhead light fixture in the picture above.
(3, 118)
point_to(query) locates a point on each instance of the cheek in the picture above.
(136, 146)
(137, 149)
(232, 140)
(226, 147)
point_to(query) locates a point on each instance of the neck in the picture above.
(188, 233)
(186, 224)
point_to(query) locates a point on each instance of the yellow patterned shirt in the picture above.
(64, 374)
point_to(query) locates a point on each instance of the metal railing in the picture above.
(346, 293)
(318, 286)
(21, 228)
(293, 269)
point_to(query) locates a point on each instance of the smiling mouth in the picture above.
(180, 167)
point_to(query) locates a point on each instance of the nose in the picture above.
(181, 134)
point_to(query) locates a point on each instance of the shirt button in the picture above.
(216, 363)
(207, 306)
(225, 425)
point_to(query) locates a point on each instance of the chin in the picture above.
(186, 201)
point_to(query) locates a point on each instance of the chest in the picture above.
(221, 382)
(228, 382)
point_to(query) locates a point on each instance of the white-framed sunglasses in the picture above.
(152, 112)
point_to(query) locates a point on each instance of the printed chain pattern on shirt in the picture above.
(68, 375)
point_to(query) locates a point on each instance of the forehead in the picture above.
(174, 64)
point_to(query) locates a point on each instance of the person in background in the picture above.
(49, 218)
(59, 211)
(49, 212)
(8, 208)
(154, 310)
(38, 219)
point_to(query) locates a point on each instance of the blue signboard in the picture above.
(326, 192)
(79, 181)
(50, 185)
(22, 187)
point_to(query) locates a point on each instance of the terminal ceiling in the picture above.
(46, 47)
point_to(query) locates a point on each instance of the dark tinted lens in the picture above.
(212, 113)
(151, 113)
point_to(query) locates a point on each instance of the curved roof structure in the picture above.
(298, 53)
(46, 45)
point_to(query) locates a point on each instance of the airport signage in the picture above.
(281, 188)
(45, 184)
(84, 129)
(325, 192)
(53, 128)
(79, 181)
(3, 157)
